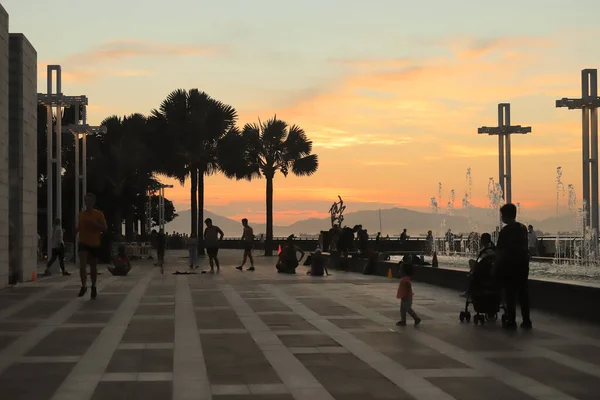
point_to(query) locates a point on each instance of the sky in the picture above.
(390, 92)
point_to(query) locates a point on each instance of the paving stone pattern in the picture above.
(261, 335)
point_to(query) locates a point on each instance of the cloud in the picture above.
(101, 61)
(469, 48)
(332, 138)
(414, 100)
(119, 49)
(480, 151)
(385, 163)
(370, 63)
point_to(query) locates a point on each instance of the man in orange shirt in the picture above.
(91, 225)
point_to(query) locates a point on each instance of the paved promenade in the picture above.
(260, 335)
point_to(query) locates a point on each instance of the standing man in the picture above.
(58, 249)
(532, 239)
(90, 226)
(512, 266)
(212, 237)
(248, 243)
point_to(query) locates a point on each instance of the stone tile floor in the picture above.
(259, 335)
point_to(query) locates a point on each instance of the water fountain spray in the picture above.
(496, 198)
(560, 192)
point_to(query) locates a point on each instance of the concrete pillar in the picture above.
(4, 187)
(23, 157)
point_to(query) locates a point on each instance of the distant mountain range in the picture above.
(392, 222)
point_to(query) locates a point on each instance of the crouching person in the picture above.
(121, 265)
(288, 261)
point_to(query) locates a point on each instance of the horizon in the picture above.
(391, 104)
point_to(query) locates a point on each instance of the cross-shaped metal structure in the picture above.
(161, 208)
(588, 104)
(54, 154)
(504, 130)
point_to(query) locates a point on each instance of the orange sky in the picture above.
(391, 93)
(388, 131)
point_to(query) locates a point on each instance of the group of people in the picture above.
(506, 264)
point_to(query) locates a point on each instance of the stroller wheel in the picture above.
(468, 316)
(503, 319)
(476, 319)
(461, 316)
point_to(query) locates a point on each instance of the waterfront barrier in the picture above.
(569, 299)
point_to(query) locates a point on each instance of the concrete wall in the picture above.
(4, 223)
(23, 156)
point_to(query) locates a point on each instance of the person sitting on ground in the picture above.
(121, 265)
(288, 262)
(481, 267)
(317, 264)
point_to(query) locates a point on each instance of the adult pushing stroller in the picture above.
(483, 293)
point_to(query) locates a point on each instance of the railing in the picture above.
(134, 250)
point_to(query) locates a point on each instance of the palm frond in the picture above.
(305, 166)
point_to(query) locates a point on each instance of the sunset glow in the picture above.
(391, 104)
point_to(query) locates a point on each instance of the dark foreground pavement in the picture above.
(260, 335)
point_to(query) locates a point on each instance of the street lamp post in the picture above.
(161, 206)
(149, 194)
(504, 130)
(80, 132)
(588, 104)
(50, 100)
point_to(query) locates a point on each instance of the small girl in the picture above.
(405, 294)
(192, 244)
(121, 263)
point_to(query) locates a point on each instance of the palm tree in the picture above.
(119, 161)
(190, 124)
(261, 150)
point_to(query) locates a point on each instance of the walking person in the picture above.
(90, 227)
(192, 244)
(58, 249)
(405, 294)
(212, 238)
(248, 243)
(512, 266)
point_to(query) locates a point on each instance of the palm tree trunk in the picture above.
(194, 200)
(129, 224)
(200, 213)
(118, 222)
(269, 239)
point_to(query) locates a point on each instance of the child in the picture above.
(192, 244)
(405, 294)
(121, 263)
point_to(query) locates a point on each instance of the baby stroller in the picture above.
(486, 298)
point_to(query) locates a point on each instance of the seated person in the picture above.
(481, 268)
(317, 265)
(288, 262)
(121, 265)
